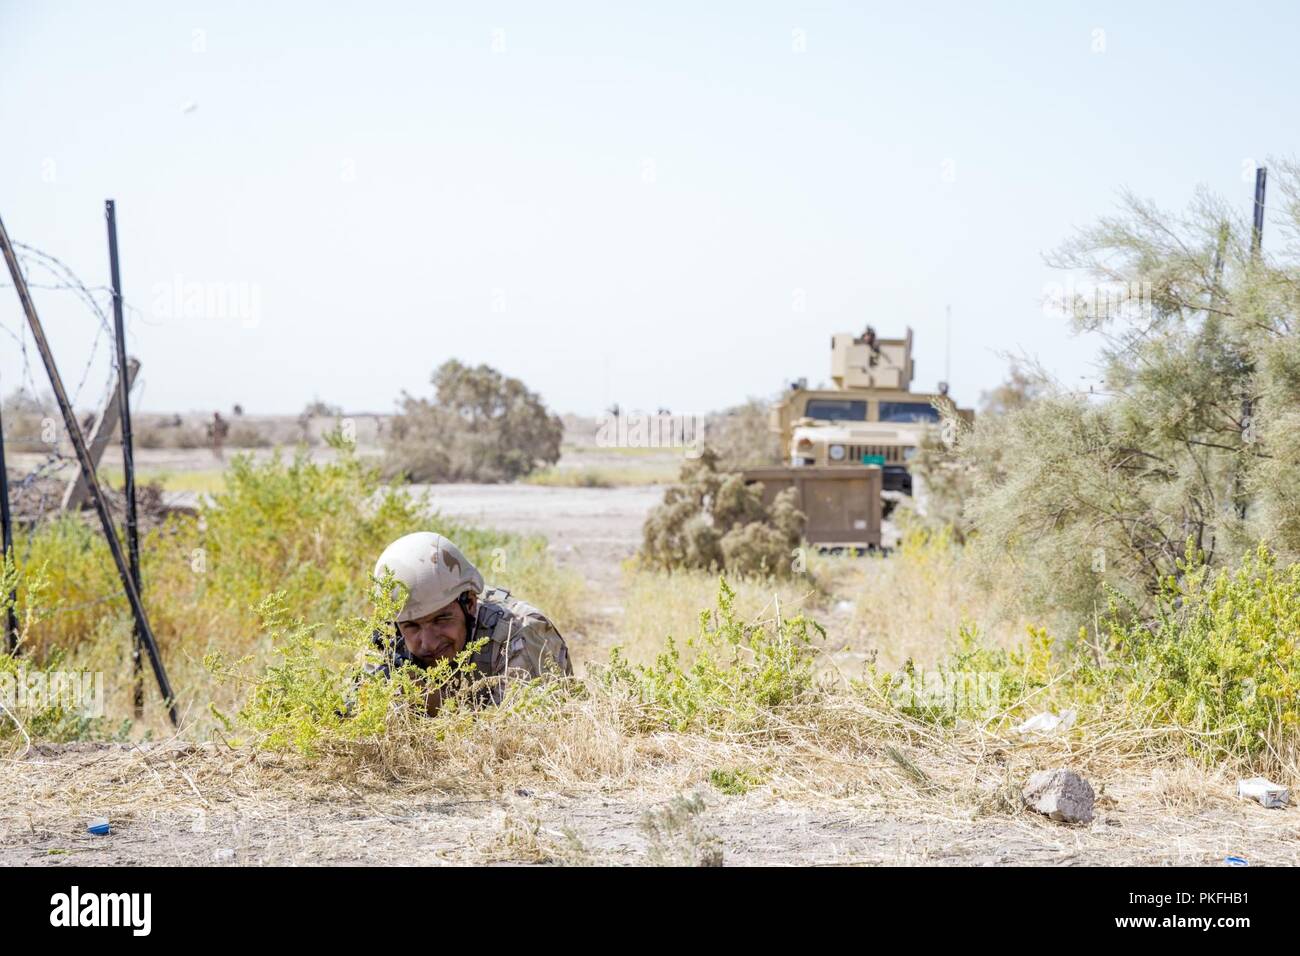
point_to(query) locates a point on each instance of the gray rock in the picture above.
(1060, 794)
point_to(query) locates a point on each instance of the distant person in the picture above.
(447, 607)
(218, 429)
(868, 338)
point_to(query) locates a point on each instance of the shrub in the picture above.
(572, 478)
(739, 673)
(309, 530)
(714, 521)
(320, 409)
(36, 702)
(311, 699)
(301, 527)
(1191, 432)
(675, 835)
(733, 781)
(1222, 656)
(310, 695)
(974, 680)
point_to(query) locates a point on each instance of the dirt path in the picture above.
(590, 530)
(188, 808)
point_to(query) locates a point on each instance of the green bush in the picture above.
(1222, 656)
(738, 673)
(975, 681)
(312, 693)
(734, 781)
(1217, 665)
(36, 702)
(304, 528)
(312, 529)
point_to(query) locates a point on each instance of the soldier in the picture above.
(218, 429)
(448, 607)
(868, 338)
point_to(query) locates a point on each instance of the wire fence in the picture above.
(36, 495)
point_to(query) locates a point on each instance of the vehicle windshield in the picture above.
(836, 410)
(908, 412)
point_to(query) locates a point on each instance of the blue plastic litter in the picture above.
(99, 826)
(1235, 861)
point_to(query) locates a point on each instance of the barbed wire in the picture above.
(69, 281)
(60, 270)
(39, 490)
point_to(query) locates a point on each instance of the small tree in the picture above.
(1194, 435)
(480, 426)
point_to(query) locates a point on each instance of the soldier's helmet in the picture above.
(432, 568)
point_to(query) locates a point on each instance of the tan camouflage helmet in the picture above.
(433, 570)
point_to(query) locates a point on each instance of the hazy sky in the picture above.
(667, 205)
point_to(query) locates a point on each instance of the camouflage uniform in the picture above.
(521, 644)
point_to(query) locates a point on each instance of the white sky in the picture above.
(612, 204)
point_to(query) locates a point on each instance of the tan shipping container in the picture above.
(843, 504)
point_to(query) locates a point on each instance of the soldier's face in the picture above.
(435, 636)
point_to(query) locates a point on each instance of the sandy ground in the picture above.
(592, 530)
(52, 792)
(166, 810)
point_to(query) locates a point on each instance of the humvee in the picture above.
(869, 419)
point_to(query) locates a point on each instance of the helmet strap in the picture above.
(471, 621)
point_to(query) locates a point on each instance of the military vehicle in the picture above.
(864, 430)
(870, 416)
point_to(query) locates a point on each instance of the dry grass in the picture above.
(577, 790)
(911, 604)
(658, 605)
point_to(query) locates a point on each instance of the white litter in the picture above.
(1046, 723)
(1265, 791)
